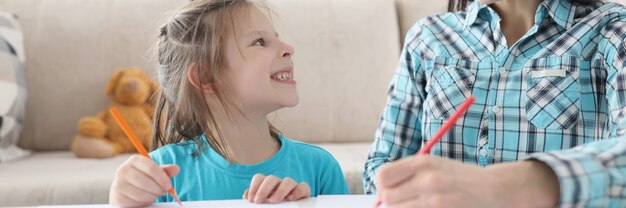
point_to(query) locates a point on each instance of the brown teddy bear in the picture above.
(101, 136)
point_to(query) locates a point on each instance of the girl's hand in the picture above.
(271, 189)
(424, 181)
(139, 181)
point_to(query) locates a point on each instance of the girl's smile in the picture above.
(284, 76)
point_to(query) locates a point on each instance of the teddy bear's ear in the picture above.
(110, 88)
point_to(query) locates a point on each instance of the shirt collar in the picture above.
(562, 11)
(472, 12)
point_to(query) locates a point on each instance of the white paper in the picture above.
(344, 201)
(323, 201)
(234, 203)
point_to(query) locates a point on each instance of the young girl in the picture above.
(223, 69)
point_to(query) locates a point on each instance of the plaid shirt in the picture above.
(561, 85)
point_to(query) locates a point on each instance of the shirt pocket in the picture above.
(450, 83)
(553, 96)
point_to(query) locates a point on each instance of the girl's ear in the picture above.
(194, 76)
(110, 88)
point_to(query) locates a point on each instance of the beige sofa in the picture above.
(346, 53)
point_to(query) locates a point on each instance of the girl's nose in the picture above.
(287, 51)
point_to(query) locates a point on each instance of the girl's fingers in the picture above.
(171, 170)
(135, 178)
(152, 170)
(123, 201)
(301, 191)
(285, 187)
(254, 186)
(270, 183)
(245, 194)
(137, 194)
(139, 181)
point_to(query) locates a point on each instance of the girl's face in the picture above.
(260, 67)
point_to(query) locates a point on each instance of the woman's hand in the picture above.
(424, 181)
(271, 189)
(139, 181)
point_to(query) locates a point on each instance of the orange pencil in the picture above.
(140, 148)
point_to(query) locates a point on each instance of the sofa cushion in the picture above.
(55, 178)
(12, 88)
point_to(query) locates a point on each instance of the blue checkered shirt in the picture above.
(563, 84)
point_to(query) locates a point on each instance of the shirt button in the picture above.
(503, 71)
(495, 109)
(483, 152)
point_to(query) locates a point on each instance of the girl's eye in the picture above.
(259, 42)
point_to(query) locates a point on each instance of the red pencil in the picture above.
(443, 130)
(140, 148)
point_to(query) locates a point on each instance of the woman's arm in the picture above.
(592, 175)
(399, 129)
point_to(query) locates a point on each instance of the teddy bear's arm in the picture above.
(102, 115)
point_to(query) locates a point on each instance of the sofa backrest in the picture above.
(345, 54)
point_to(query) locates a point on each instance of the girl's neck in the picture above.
(518, 16)
(247, 137)
(249, 140)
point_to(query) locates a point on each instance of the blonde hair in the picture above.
(195, 34)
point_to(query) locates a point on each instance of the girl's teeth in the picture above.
(282, 76)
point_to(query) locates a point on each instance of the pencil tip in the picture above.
(175, 196)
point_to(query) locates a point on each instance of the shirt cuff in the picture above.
(583, 179)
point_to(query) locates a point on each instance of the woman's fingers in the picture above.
(426, 181)
(393, 174)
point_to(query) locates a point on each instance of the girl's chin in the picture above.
(291, 103)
